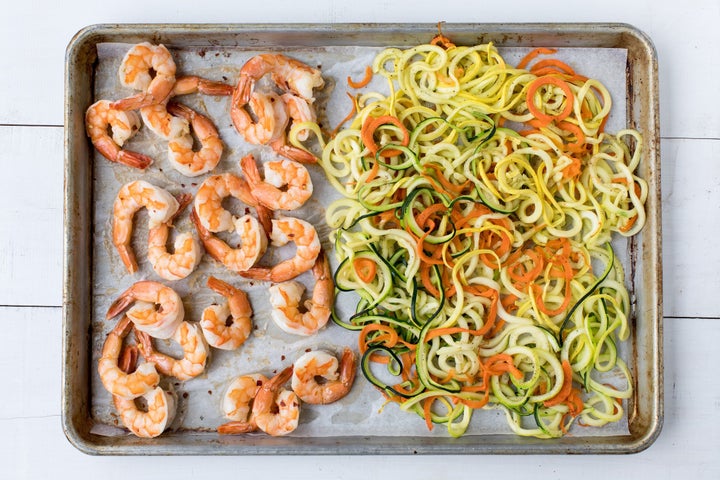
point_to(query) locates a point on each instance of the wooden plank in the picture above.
(33, 446)
(683, 32)
(31, 217)
(690, 195)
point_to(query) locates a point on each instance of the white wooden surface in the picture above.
(33, 36)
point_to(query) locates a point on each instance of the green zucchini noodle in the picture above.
(478, 202)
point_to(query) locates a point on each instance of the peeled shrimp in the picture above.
(271, 118)
(208, 202)
(149, 68)
(316, 364)
(305, 237)
(299, 110)
(237, 402)
(180, 149)
(113, 378)
(285, 299)
(100, 117)
(157, 310)
(195, 352)
(186, 254)
(253, 243)
(159, 411)
(287, 73)
(272, 396)
(161, 206)
(228, 325)
(287, 184)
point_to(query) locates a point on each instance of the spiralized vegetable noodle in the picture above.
(478, 204)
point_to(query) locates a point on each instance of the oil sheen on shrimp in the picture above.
(287, 184)
(239, 396)
(149, 68)
(133, 196)
(270, 121)
(127, 386)
(337, 378)
(187, 161)
(101, 118)
(156, 309)
(210, 195)
(186, 254)
(285, 301)
(226, 326)
(195, 352)
(276, 411)
(307, 242)
(253, 243)
(159, 411)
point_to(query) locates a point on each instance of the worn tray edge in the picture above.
(78, 434)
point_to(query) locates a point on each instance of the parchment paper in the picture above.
(269, 349)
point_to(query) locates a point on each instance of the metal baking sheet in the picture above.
(85, 421)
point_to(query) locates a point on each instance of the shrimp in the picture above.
(237, 402)
(113, 378)
(161, 206)
(272, 119)
(287, 184)
(209, 197)
(287, 73)
(160, 405)
(228, 325)
(271, 394)
(180, 149)
(253, 243)
(299, 110)
(163, 124)
(186, 254)
(305, 237)
(316, 364)
(99, 118)
(149, 68)
(160, 321)
(194, 84)
(285, 298)
(195, 352)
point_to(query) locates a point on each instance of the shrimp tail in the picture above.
(180, 110)
(235, 428)
(293, 153)
(135, 102)
(128, 258)
(347, 367)
(183, 199)
(243, 90)
(212, 244)
(128, 359)
(250, 169)
(133, 159)
(258, 273)
(119, 305)
(193, 84)
(224, 289)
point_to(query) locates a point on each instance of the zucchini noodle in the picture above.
(478, 204)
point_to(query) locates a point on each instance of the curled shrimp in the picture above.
(318, 364)
(156, 309)
(253, 243)
(101, 117)
(285, 299)
(307, 242)
(287, 184)
(287, 73)
(133, 196)
(299, 110)
(186, 254)
(239, 396)
(276, 411)
(160, 405)
(195, 352)
(180, 149)
(271, 118)
(228, 325)
(210, 195)
(149, 68)
(113, 378)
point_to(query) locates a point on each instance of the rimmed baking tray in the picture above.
(644, 274)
